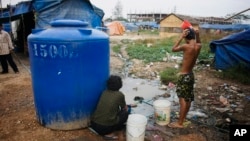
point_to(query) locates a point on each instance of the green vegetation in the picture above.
(149, 32)
(205, 52)
(154, 50)
(150, 50)
(169, 75)
(117, 48)
(238, 73)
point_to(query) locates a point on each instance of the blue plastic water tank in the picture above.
(69, 69)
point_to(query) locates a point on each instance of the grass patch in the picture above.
(205, 52)
(149, 32)
(117, 48)
(238, 73)
(169, 75)
(154, 50)
(150, 50)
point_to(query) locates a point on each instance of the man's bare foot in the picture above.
(175, 125)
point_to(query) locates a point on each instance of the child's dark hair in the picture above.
(114, 83)
(191, 34)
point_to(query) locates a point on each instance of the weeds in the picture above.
(169, 75)
(117, 48)
(154, 50)
(238, 73)
(149, 32)
(150, 50)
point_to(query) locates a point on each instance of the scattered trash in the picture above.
(228, 120)
(222, 110)
(171, 89)
(135, 88)
(156, 137)
(141, 99)
(224, 100)
(157, 128)
(209, 88)
(176, 66)
(138, 98)
(195, 114)
(186, 123)
(92, 130)
(163, 87)
(248, 97)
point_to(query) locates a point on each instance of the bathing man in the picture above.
(185, 82)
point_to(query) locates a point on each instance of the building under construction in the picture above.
(142, 17)
(156, 17)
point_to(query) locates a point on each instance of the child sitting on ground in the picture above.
(111, 112)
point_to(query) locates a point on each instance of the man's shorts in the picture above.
(185, 87)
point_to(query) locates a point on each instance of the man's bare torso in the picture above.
(190, 55)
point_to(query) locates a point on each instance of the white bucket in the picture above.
(136, 126)
(162, 111)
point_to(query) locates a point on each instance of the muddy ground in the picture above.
(18, 120)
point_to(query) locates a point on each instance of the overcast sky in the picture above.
(216, 8)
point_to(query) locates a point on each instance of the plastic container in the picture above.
(162, 110)
(136, 126)
(69, 70)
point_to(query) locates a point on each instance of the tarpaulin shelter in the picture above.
(115, 28)
(130, 27)
(49, 10)
(15, 12)
(18, 20)
(39, 13)
(229, 27)
(232, 50)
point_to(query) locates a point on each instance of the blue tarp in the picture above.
(230, 27)
(13, 12)
(130, 26)
(7, 27)
(49, 10)
(232, 50)
(150, 24)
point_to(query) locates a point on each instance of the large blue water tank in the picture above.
(69, 69)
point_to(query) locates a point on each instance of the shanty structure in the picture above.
(232, 51)
(49, 10)
(171, 24)
(27, 15)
